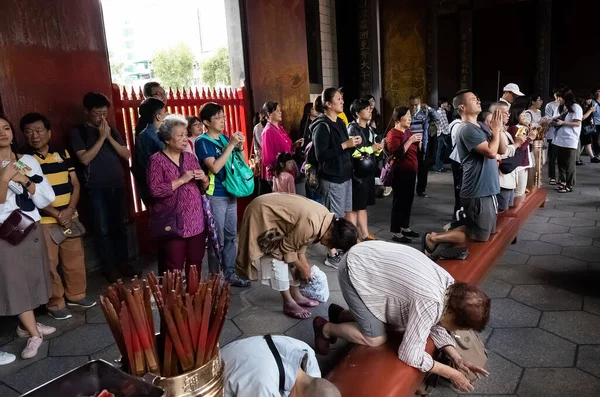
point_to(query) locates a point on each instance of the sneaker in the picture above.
(33, 344)
(387, 191)
(7, 358)
(424, 195)
(333, 260)
(370, 237)
(60, 314)
(595, 160)
(85, 303)
(579, 162)
(44, 330)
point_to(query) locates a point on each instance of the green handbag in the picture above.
(239, 178)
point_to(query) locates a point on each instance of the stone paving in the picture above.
(544, 337)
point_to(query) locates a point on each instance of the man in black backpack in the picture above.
(102, 151)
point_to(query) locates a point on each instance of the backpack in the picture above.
(311, 164)
(311, 167)
(239, 178)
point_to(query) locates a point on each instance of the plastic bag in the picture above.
(318, 287)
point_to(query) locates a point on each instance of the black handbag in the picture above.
(509, 164)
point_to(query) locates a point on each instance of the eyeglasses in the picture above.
(196, 125)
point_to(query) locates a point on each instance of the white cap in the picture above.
(512, 87)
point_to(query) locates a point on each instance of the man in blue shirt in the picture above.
(421, 115)
(147, 143)
(478, 149)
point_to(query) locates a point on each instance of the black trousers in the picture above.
(403, 186)
(422, 173)
(551, 160)
(457, 175)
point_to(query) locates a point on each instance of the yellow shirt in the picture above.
(56, 168)
(344, 118)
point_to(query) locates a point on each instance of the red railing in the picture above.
(186, 102)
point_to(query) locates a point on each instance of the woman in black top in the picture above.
(333, 151)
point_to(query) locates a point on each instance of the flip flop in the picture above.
(424, 248)
(300, 315)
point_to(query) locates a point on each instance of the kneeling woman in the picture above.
(274, 235)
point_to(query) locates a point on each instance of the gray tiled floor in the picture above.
(543, 337)
(548, 324)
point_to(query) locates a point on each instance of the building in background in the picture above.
(136, 30)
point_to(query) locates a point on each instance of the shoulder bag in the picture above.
(169, 223)
(16, 227)
(239, 178)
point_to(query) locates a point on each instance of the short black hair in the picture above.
(148, 88)
(30, 118)
(150, 108)
(442, 100)
(459, 99)
(191, 120)
(209, 110)
(344, 235)
(95, 100)
(358, 105)
(413, 97)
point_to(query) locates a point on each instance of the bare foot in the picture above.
(293, 310)
(304, 301)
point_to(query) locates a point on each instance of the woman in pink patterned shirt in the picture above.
(173, 177)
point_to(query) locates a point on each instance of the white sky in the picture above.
(159, 24)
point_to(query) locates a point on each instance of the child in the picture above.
(285, 171)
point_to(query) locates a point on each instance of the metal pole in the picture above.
(498, 86)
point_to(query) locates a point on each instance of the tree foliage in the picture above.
(216, 69)
(174, 66)
(117, 70)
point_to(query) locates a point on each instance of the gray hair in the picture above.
(497, 105)
(166, 127)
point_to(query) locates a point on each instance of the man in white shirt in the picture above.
(510, 93)
(550, 112)
(390, 284)
(269, 366)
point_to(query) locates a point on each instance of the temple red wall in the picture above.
(52, 53)
(277, 56)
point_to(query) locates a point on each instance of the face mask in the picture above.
(419, 108)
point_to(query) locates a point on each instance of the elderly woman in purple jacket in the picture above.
(177, 214)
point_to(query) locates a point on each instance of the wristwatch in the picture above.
(27, 184)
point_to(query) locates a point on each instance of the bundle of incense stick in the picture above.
(192, 314)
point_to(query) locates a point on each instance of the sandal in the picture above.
(552, 181)
(424, 248)
(565, 189)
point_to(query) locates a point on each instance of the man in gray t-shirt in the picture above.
(478, 149)
(480, 173)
